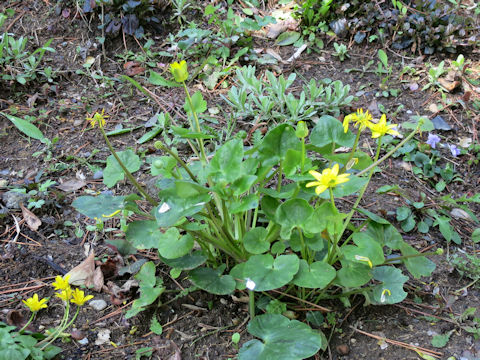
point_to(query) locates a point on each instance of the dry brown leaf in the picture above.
(71, 185)
(449, 85)
(273, 30)
(84, 272)
(31, 219)
(96, 281)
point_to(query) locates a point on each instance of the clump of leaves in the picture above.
(420, 25)
(127, 15)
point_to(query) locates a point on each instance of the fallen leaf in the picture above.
(274, 54)
(71, 185)
(133, 68)
(96, 281)
(465, 142)
(31, 219)
(449, 85)
(83, 272)
(460, 214)
(15, 318)
(273, 30)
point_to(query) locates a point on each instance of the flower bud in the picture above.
(179, 71)
(302, 130)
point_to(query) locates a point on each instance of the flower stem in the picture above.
(197, 124)
(251, 304)
(28, 322)
(128, 174)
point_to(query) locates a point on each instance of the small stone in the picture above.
(460, 214)
(98, 175)
(83, 341)
(3, 183)
(12, 199)
(77, 334)
(98, 304)
(353, 340)
(343, 349)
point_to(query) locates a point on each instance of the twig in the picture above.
(402, 344)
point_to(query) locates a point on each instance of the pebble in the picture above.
(98, 175)
(343, 349)
(3, 183)
(98, 304)
(12, 199)
(84, 341)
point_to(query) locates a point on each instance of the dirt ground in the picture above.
(198, 325)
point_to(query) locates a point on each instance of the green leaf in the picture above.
(189, 134)
(439, 341)
(157, 79)
(287, 38)
(353, 274)
(146, 275)
(364, 160)
(226, 163)
(348, 188)
(365, 247)
(255, 241)
(403, 213)
(180, 199)
(212, 280)
(385, 234)
(329, 130)
(390, 291)
(283, 339)
(408, 224)
(417, 266)
(427, 124)
(172, 246)
(143, 234)
(243, 204)
(444, 226)
(199, 105)
(268, 273)
(314, 276)
(186, 262)
(150, 135)
(155, 326)
(476, 235)
(113, 173)
(98, 206)
(276, 143)
(383, 58)
(25, 127)
(291, 214)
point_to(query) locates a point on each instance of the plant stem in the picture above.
(401, 258)
(251, 304)
(197, 124)
(28, 322)
(130, 177)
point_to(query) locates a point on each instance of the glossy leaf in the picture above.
(255, 241)
(212, 280)
(390, 291)
(25, 127)
(98, 206)
(186, 262)
(276, 143)
(143, 234)
(314, 276)
(329, 130)
(172, 245)
(225, 165)
(353, 274)
(291, 214)
(268, 273)
(283, 339)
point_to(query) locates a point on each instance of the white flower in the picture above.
(164, 208)
(250, 284)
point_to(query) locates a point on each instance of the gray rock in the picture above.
(12, 199)
(98, 175)
(98, 304)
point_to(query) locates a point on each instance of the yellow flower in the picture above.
(329, 178)
(179, 71)
(61, 283)
(65, 294)
(364, 259)
(34, 304)
(98, 117)
(381, 128)
(79, 297)
(360, 118)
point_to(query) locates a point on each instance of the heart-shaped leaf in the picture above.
(255, 241)
(291, 214)
(283, 339)
(113, 173)
(276, 143)
(186, 262)
(314, 276)
(226, 163)
(417, 266)
(143, 234)
(268, 273)
(199, 105)
(212, 280)
(353, 274)
(329, 130)
(390, 291)
(98, 206)
(367, 250)
(172, 246)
